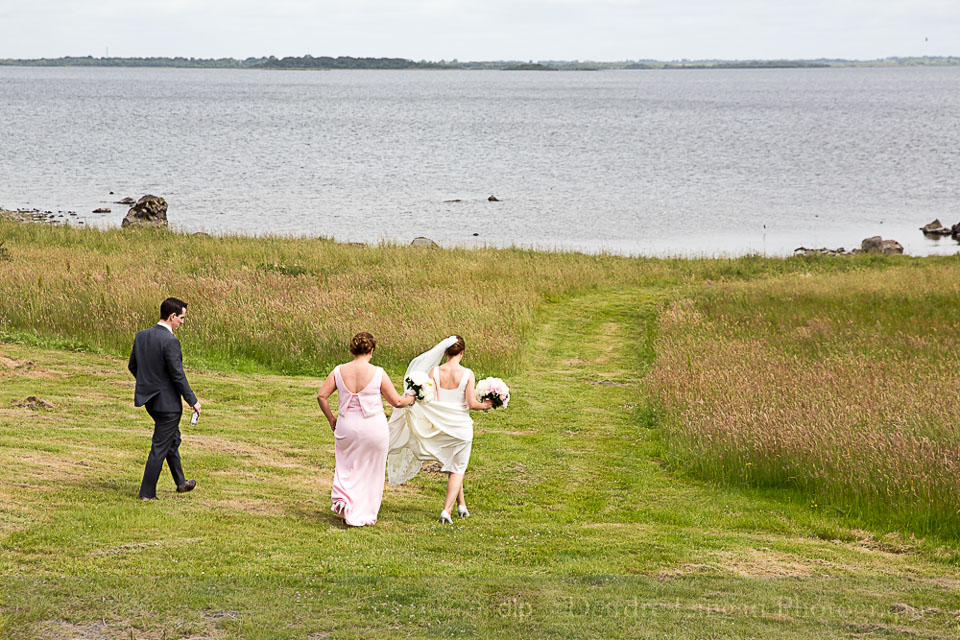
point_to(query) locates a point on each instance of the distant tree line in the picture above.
(90, 61)
(271, 62)
(745, 64)
(347, 62)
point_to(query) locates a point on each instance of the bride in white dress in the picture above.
(440, 430)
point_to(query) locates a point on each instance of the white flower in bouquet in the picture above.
(420, 385)
(495, 390)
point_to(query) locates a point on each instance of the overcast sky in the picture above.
(482, 29)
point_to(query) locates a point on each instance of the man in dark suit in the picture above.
(157, 364)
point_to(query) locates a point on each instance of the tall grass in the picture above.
(284, 304)
(290, 305)
(842, 385)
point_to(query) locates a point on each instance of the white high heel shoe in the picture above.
(445, 517)
(462, 511)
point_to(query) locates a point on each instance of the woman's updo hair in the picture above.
(362, 344)
(456, 348)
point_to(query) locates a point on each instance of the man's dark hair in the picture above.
(171, 305)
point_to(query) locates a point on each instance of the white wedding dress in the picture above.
(441, 430)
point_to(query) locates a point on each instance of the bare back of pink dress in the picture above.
(361, 442)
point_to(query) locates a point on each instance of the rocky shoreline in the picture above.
(873, 244)
(39, 217)
(151, 211)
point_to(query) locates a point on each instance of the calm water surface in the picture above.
(636, 162)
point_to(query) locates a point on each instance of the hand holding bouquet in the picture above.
(495, 390)
(420, 386)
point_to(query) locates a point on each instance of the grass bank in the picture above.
(743, 447)
(578, 529)
(291, 305)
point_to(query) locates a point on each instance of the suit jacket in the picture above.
(157, 364)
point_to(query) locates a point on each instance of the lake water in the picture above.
(636, 162)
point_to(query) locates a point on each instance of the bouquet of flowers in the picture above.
(493, 389)
(420, 385)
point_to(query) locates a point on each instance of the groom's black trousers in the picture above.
(166, 446)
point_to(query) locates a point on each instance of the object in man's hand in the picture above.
(194, 418)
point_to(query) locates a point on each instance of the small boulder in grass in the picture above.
(35, 403)
(423, 242)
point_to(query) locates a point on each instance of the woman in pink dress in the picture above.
(360, 432)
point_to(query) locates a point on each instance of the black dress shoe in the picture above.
(188, 486)
(146, 498)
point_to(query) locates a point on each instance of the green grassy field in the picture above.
(606, 501)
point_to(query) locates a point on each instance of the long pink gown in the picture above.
(361, 442)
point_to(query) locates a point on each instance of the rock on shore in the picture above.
(876, 244)
(935, 228)
(149, 211)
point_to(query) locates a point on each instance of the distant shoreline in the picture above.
(344, 62)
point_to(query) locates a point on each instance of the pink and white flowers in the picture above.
(493, 389)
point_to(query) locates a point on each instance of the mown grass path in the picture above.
(578, 529)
